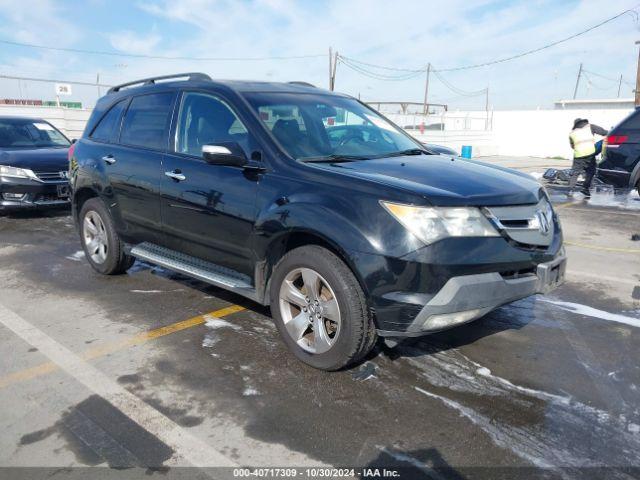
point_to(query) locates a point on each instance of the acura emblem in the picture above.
(543, 222)
(64, 174)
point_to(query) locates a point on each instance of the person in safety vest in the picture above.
(583, 143)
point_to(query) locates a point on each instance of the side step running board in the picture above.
(194, 267)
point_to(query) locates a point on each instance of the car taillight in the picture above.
(616, 139)
(70, 152)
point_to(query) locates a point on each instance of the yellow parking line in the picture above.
(598, 247)
(100, 351)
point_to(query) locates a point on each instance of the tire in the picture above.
(347, 335)
(106, 256)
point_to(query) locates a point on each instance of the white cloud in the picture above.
(402, 33)
(132, 42)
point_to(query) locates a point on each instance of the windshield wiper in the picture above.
(410, 151)
(334, 158)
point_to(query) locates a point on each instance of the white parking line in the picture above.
(185, 445)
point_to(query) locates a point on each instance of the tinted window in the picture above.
(146, 121)
(23, 133)
(632, 121)
(205, 119)
(109, 124)
(309, 126)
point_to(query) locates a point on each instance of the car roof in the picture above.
(201, 80)
(18, 117)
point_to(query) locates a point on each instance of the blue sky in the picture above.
(395, 33)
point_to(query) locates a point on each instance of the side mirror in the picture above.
(224, 153)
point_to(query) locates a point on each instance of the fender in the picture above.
(98, 185)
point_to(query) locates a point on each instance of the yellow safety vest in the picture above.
(583, 142)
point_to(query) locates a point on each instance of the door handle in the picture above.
(110, 159)
(176, 175)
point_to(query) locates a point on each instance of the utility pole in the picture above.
(619, 85)
(426, 91)
(332, 78)
(330, 66)
(637, 91)
(98, 83)
(486, 107)
(575, 91)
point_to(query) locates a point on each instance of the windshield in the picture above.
(18, 133)
(312, 126)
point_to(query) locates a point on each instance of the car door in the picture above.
(134, 165)
(208, 210)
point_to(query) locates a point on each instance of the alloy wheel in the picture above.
(309, 310)
(95, 237)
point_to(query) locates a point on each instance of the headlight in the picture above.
(431, 224)
(15, 172)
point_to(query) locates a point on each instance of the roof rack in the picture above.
(152, 80)
(304, 84)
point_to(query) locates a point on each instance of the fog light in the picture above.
(14, 196)
(447, 320)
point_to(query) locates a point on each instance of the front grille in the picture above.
(528, 225)
(52, 176)
(49, 198)
(514, 274)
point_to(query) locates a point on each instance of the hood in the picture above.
(36, 159)
(446, 181)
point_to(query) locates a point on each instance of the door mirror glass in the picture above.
(224, 153)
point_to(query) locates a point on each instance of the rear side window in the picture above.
(146, 121)
(631, 122)
(107, 127)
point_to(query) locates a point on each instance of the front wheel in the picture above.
(320, 309)
(101, 244)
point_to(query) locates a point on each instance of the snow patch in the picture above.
(541, 440)
(249, 392)
(215, 323)
(77, 256)
(580, 309)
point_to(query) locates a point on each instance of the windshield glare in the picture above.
(318, 126)
(30, 134)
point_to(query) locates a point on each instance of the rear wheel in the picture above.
(102, 246)
(320, 309)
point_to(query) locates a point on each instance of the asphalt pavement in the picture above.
(159, 374)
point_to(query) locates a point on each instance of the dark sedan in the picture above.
(33, 164)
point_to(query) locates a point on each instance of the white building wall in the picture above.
(70, 121)
(538, 133)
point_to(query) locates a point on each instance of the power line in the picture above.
(595, 85)
(459, 91)
(159, 57)
(512, 57)
(378, 76)
(415, 70)
(51, 80)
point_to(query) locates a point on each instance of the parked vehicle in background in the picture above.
(33, 164)
(441, 149)
(620, 162)
(311, 202)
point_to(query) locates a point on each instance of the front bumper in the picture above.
(18, 193)
(469, 297)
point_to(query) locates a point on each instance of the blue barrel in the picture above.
(466, 151)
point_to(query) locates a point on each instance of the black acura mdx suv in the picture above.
(347, 233)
